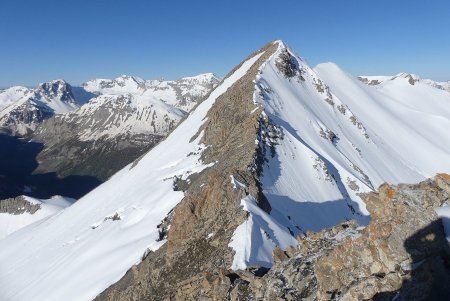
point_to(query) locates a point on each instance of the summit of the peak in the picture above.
(125, 77)
(407, 75)
(281, 44)
(55, 82)
(203, 76)
(412, 78)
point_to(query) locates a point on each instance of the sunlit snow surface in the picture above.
(78, 253)
(396, 132)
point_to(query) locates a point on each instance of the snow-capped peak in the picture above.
(328, 138)
(119, 85)
(126, 79)
(57, 90)
(280, 43)
(13, 94)
(202, 77)
(403, 77)
(22, 109)
(410, 77)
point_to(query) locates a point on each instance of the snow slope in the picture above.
(10, 223)
(413, 120)
(335, 137)
(76, 254)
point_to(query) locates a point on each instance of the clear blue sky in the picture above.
(82, 39)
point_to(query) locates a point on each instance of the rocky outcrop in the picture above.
(288, 65)
(403, 253)
(18, 205)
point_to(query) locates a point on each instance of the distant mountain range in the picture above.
(96, 129)
(411, 78)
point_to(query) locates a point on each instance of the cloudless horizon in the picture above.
(81, 40)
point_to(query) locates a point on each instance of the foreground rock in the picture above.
(403, 253)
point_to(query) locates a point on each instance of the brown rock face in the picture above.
(192, 265)
(404, 231)
(403, 253)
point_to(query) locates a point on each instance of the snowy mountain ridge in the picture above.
(179, 93)
(336, 143)
(125, 118)
(410, 77)
(301, 145)
(23, 109)
(130, 105)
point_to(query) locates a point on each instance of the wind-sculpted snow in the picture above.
(410, 122)
(256, 238)
(78, 253)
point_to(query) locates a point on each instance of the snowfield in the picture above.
(78, 253)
